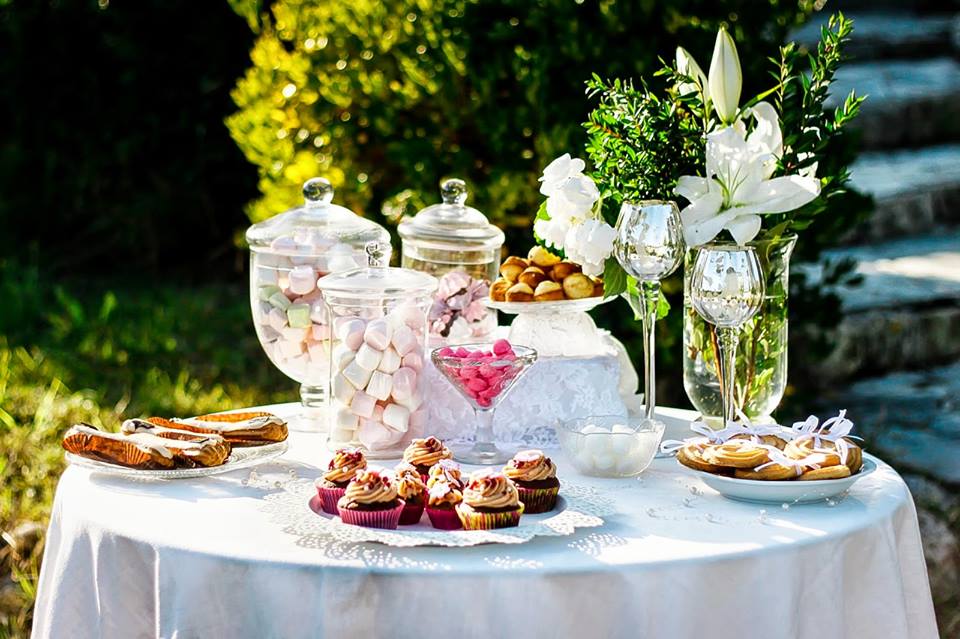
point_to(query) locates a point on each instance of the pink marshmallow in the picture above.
(320, 332)
(378, 334)
(413, 360)
(303, 279)
(404, 339)
(362, 404)
(404, 383)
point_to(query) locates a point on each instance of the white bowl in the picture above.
(610, 445)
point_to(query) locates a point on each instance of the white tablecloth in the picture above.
(201, 558)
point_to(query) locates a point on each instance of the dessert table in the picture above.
(205, 558)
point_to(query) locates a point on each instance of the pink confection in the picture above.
(363, 404)
(446, 351)
(487, 371)
(390, 361)
(303, 279)
(476, 384)
(413, 360)
(468, 372)
(396, 417)
(320, 332)
(502, 347)
(354, 340)
(380, 385)
(378, 334)
(404, 383)
(404, 339)
(277, 319)
(461, 352)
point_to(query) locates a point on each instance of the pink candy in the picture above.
(478, 372)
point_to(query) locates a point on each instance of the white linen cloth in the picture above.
(199, 558)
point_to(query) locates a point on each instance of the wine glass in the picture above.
(484, 382)
(649, 246)
(727, 289)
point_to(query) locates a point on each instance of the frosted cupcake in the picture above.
(412, 491)
(446, 470)
(442, 500)
(490, 500)
(425, 453)
(536, 479)
(371, 500)
(344, 466)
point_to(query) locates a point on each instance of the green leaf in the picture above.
(663, 306)
(614, 278)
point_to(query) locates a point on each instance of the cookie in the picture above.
(828, 472)
(736, 453)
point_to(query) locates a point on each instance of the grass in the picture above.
(99, 352)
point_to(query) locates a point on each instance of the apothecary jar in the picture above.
(458, 245)
(378, 317)
(288, 254)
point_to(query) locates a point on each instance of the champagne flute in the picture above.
(727, 289)
(649, 246)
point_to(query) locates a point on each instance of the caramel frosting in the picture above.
(489, 489)
(370, 487)
(446, 470)
(409, 482)
(444, 494)
(426, 452)
(530, 465)
(345, 464)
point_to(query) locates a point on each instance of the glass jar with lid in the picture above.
(458, 245)
(288, 254)
(378, 321)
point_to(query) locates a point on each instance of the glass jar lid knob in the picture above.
(317, 191)
(453, 191)
(376, 254)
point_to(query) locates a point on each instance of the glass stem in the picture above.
(729, 338)
(650, 294)
(484, 427)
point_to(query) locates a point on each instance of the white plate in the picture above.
(549, 308)
(784, 492)
(244, 457)
(297, 508)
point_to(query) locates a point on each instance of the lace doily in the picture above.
(579, 507)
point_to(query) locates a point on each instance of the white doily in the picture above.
(580, 507)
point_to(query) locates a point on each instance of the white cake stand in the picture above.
(560, 328)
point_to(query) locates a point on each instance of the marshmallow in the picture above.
(277, 319)
(342, 389)
(266, 276)
(279, 300)
(404, 383)
(354, 339)
(362, 404)
(298, 316)
(408, 315)
(320, 332)
(368, 357)
(284, 244)
(375, 435)
(346, 420)
(377, 413)
(345, 327)
(356, 374)
(288, 348)
(396, 417)
(318, 314)
(390, 361)
(413, 360)
(264, 293)
(303, 279)
(319, 352)
(378, 334)
(342, 356)
(380, 384)
(404, 339)
(411, 403)
(268, 334)
(340, 263)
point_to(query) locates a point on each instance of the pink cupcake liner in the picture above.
(411, 514)
(329, 498)
(444, 519)
(538, 500)
(388, 518)
(475, 520)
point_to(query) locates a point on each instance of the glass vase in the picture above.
(761, 364)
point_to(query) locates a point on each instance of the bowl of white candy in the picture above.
(610, 445)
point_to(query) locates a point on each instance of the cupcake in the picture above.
(442, 500)
(536, 478)
(425, 453)
(411, 489)
(371, 500)
(446, 470)
(490, 500)
(344, 466)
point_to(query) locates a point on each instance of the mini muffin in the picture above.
(344, 466)
(446, 470)
(512, 267)
(541, 257)
(536, 479)
(532, 277)
(412, 490)
(442, 500)
(425, 453)
(371, 500)
(519, 292)
(577, 286)
(490, 500)
(548, 291)
(498, 290)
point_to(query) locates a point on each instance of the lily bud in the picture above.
(725, 77)
(687, 66)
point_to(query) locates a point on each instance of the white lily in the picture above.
(589, 244)
(725, 79)
(689, 67)
(558, 172)
(738, 186)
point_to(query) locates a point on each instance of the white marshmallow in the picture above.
(380, 384)
(362, 404)
(354, 339)
(303, 279)
(346, 420)
(404, 383)
(396, 417)
(319, 352)
(408, 315)
(376, 436)
(277, 319)
(342, 389)
(404, 339)
(390, 361)
(378, 334)
(266, 276)
(413, 360)
(368, 357)
(288, 348)
(320, 332)
(413, 402)
(356, 374)
(347, 325)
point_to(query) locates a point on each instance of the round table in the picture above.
(203, 558)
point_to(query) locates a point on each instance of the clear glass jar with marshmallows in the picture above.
(288, 254)
(378, 321)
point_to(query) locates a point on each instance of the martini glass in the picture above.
(484, 381)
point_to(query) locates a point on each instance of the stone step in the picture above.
(886, 34)
(909, 103)
(916, 191)
(905, 313)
